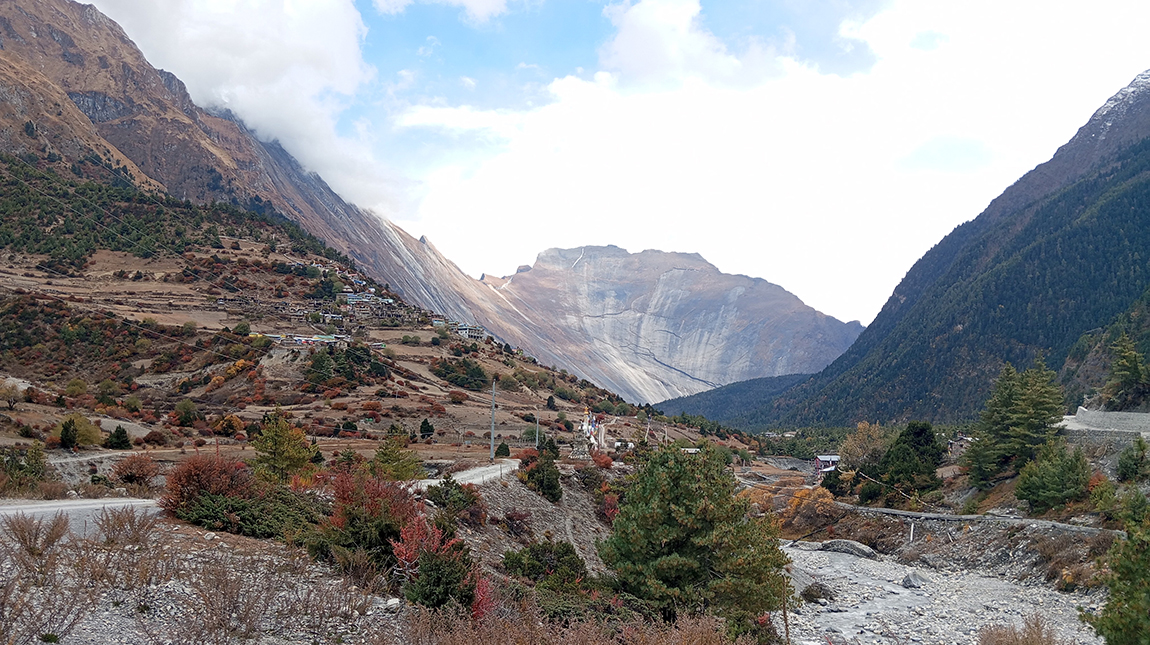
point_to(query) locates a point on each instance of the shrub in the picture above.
(454, 498)
(438, 571)
(205, 474)
(367, 515)
(272, 512)
(602, 460)
(542, 477)
(156, 438)
(118, 440)
(870, 492)
(503, 450)
(554, 565)
(1034, 632)
(136, 469)
(76, 387)
(810, 508)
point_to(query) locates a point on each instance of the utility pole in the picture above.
(492, 420)
(537, 429)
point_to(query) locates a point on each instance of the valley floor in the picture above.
(871, 605)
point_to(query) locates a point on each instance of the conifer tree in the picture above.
(1125, 620)
(394, 462)
(68, 434)
(995, 421)
(1056, 477)
(1036, 411)
(1129, 380)
(283, 450)
(683, 542)
(118, 440)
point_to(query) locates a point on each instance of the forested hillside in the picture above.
(730, 404)
(1058, 255)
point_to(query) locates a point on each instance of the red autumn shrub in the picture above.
(610, 506)
(526, 457)
(156, 438)
(136, 469)
(602, 460)
(206, 474)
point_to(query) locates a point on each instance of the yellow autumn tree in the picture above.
(864, 448)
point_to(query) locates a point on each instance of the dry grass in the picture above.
(523, 625)
(41, 598)
(1033, 632)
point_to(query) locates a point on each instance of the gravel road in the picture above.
(81, 512)
(480, 475)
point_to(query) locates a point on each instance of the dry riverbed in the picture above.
(871, 605)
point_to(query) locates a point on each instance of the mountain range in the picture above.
(650, 325)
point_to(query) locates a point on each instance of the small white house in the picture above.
(825, 464)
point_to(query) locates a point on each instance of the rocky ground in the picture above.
(574, 519)
(883, 601)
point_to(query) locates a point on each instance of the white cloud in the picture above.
(830, 186)
(391, 6)
(476, 10)
(288, 68)
(467, 82)
(660, 41)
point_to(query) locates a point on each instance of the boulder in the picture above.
(849, 547)
(800, 579)
(914, 580)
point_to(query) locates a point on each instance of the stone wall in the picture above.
(1127, 421)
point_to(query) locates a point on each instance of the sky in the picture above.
(822, 145)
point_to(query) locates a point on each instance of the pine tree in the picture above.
(981, 460)
(68, 434)
(995, 421)
(283, 450)
(503, 450)
(1056, 477)
(118, 440)
(912, 459)
(683, 541)
(426, 430)
(1036, 411)
(1125, 620)
(1132, 462)
(394, 462)
(1129, 380)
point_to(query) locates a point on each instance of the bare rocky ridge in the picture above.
(654, 326)
(87, 89)
(651, 326)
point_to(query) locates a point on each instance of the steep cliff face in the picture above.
(655, 325)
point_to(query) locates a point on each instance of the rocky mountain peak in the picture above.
(655, 325)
